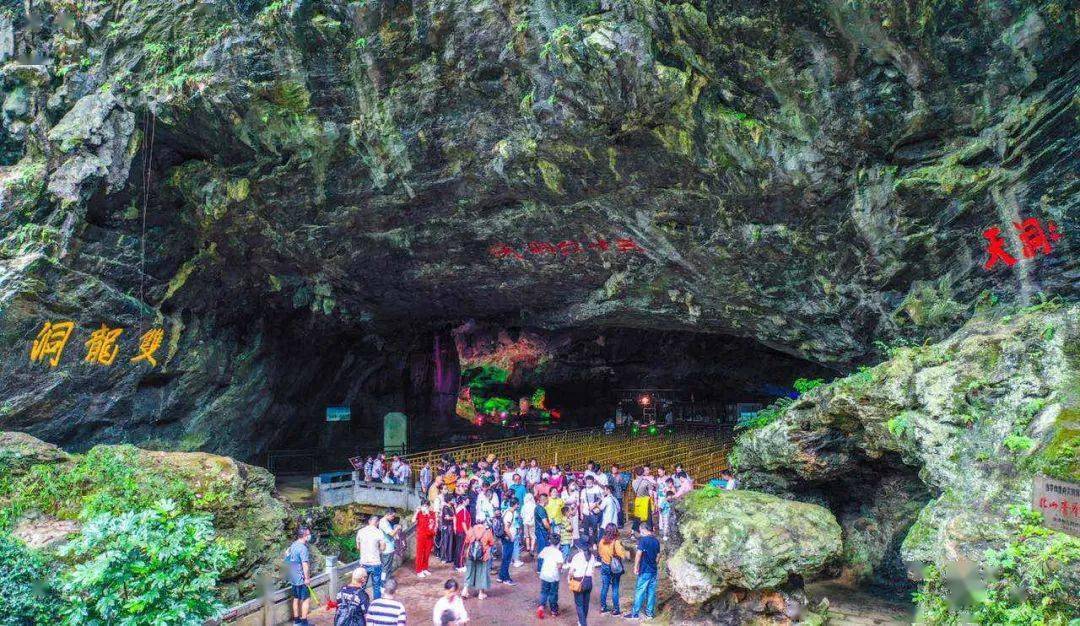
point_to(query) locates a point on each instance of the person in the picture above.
(390, 529)
(426, 479)
(665, 499)
(353, 601)
(450, 602)
(487, 502)
(478, 543)
(446, 529)
(532, 475)
(609, 427)
(593, 495)
(613, 558)
(609, 509)
(645, 567)
(550, 558)
(298, 559)
(517, 488)
(508, 537)
(619, 482)
(462, 524)
(386, 611)
(542, 525)
(370, 544)
(425, 522)
(528, 519)
(581, 573)
(403, 473)
(642, 500)
(369, 463)
(568, 532)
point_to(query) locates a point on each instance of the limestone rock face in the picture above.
(304, 193)
(970, 420)
(748, 541)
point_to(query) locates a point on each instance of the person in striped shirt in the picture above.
(386, 611)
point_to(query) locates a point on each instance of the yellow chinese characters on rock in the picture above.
(50, 342)
(148, 345)
(101, 349)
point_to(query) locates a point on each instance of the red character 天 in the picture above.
(627, 245)
(569, 247)
(1034, 238)
(542, 247)
(501, 251)
(996, 249)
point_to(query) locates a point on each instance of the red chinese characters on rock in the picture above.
(1065, 507)
(564, 248)
(1033, 238)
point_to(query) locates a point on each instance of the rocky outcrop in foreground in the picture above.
(44, 492)
(743, 555)
(928, 460)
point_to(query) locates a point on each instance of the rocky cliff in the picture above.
(46, 495)
(301, 195)
(927, 460)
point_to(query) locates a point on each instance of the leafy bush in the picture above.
(765, 416)
(1028, 581)
(897, 425)
(805, 385)
(153, 567)
(1018, 443)
(26, 597)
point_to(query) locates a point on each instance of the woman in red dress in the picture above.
(425, 521)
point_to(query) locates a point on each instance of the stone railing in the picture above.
(342, 488)
(275, 606)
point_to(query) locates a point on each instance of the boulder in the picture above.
(749, 541)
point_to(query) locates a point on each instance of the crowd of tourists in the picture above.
(482, 516)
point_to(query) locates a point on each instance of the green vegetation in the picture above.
(155, 567)
(1027, 581)
(106, 480)
(805, 386)
(765, 416)
(898, 426)
(25, 599)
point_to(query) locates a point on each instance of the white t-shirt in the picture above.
(509, 525)
(388, 539)
(580, 567)
(367, 540)
(551, 558)
(528, 510)
(609, 511)
(456, 606)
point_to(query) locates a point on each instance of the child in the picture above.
(568, 532)
(550, 559)
(665, 512)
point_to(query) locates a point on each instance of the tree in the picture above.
(154, 566)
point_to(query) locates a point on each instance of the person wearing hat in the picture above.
(580, 578)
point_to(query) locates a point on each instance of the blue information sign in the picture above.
(338, 414)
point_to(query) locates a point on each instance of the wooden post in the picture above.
(335, 583)
(268, 601)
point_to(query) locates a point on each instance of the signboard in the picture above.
(395, 431)
(338, 414)
(1059, 502)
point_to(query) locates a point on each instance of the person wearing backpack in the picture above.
(353, 601)
(613, 557)
(478, 543)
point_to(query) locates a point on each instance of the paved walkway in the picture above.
(504, 606)
(516, 606)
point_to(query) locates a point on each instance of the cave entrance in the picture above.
(581, 377)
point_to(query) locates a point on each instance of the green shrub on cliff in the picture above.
(1031, 580)
(153, 567)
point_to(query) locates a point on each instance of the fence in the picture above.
(342, 488)
(274, 607)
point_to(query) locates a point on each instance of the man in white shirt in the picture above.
(592, 496)
(609, 509)
(390, 529)
(550, 559)
(370, 544)
(487, 502)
